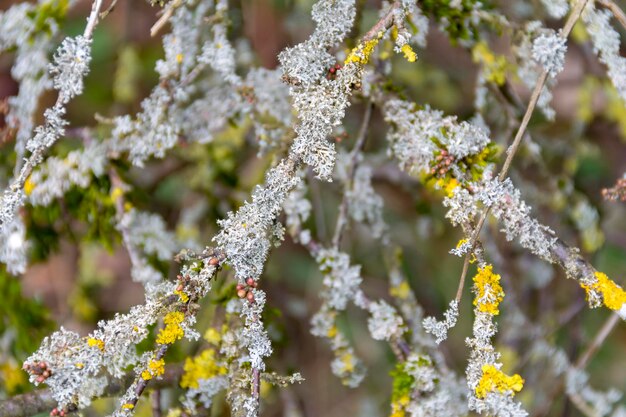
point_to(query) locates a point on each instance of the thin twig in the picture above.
(383, 24)
(615, 9)
(459, 291)
(353, 162)
(93, 19)
(37, 156)
(512, 150)
(580, 364)
(597, 341)
(167, 14)
(256, 384)
(582, 406)
(108, 10)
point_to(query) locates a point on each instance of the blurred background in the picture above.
(80, 273)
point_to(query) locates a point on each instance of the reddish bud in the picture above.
(40, 379)
(251, 282)
(241, 293)
(214, 261)
(250, 297)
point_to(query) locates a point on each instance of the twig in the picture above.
(353, 163)
(580, 364)
(165, 17)
(615, 9)
(41, 401)
(512, 150)
(37, 156)
(459, 291)
(383, 24)
(582, 406)
(108, 10)
(93, 19)
(256, 384)
(597, 341)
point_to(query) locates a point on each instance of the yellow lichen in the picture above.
(348, 362)
(332, 332)
(203, 366)
(408, 52)
(612, 294)
(213, 336)
(29, 186)
(489, 293)
(116, 193)
(361, 54)
(155, 368)
(96, 342)
(128, 406)
(401, 290)
(494, 66)
(460, 243)
(12, 377)
(174, 412)
(494, 380)
(398, 406)
(447, 185)
(172, 330)
(183, 296)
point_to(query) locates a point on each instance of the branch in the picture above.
(358, 146)
(569, 25)
(41, 401)
(165, 17)
(615, 9)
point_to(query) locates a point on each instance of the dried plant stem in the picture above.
(512, 150)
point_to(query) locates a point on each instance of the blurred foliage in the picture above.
(223, 172)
